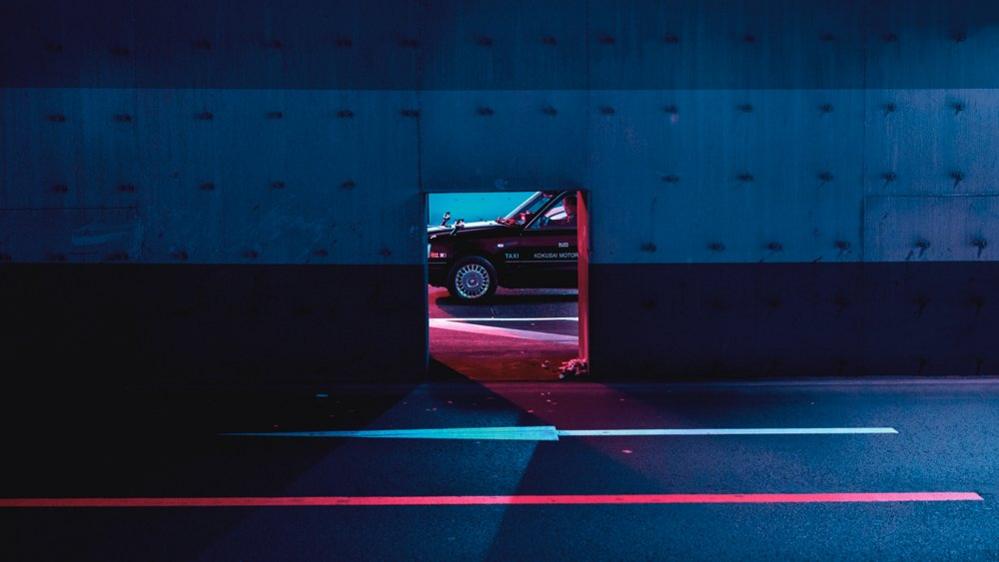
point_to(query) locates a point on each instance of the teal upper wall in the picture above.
(309, 132)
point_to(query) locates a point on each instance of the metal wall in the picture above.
(777, 187)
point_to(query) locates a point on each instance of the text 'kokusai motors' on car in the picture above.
(533, 246)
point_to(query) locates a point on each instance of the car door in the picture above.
(548, 250)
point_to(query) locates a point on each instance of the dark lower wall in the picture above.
(735, 320)
(102, 325)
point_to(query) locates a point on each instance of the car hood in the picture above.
(476, 226)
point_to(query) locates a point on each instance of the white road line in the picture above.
(502, 332)
(725, 431)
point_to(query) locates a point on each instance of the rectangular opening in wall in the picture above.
(505, 284)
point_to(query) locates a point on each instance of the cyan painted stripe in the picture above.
(530, 433)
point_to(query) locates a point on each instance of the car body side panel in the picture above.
(523, 257)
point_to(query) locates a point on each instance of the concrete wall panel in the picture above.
(935, 142)
(931, 228)
(759, 171)
(726, 176)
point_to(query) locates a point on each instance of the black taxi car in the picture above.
(533, 246)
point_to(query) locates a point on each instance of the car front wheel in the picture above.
(472, 278)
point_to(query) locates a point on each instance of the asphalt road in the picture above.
(160, 447)
(518, 335)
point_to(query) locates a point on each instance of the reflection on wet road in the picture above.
(520, 334)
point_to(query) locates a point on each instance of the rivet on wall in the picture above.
(409, 43)
(671, 109)
(959, 36)
(251, 254)
(670, 178)
(772, 302)
(716, 247)
(275, 115)
(775, 246)
(348, 184)
(922, 245)
(671, 39)
(484, 41)
(53, 47)
(384, 252)
(606, 39)
(826, 108)
(207, 186)
(744, 108)
(60, 188)
(957, 107)
(116, 256)
(840, 365)
(120, 51)
(179, 255)
(277, 185)
(978, 302)
(889, 37)
(320, 252)
(842, 245)
(749, 38)
(55, 256)
(825, 177)
(827, 37)
(889, 107)
(274, 44)
(841, 302)
(745, 177)
(921, 301)
(549, 110)
(483, 111)
(716, 302)
(889, 177)
(57, 118)
(123, 118)
(344, 42)
(957, 176)
(127, 188)
(410, 113)
(606, 110)
(549, 40)
(923, 363)
(648, 304)
(648, 247)
(202, 44)
(204, 116)
(345, 114)
(980, 243)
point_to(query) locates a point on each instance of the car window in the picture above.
(555, 217)
(527, 210)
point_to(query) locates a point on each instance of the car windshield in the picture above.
(523, 213)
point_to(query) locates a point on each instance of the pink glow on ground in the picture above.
(595, 499)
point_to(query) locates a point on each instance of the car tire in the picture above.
(472, 279)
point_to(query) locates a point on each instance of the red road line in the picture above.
(598, 499)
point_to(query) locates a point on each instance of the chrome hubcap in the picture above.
(471, 280)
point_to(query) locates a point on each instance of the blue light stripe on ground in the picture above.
(530, 433)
